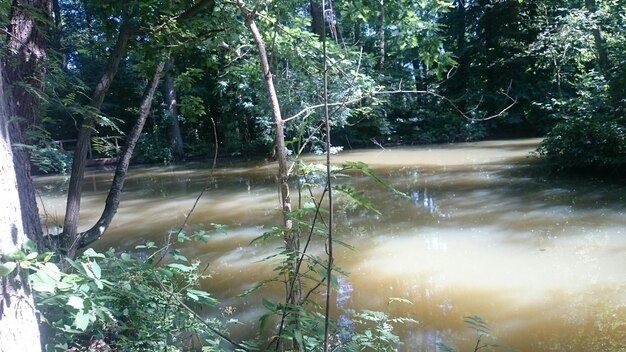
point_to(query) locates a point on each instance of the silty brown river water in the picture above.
(486, 232)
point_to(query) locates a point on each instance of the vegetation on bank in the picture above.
(483, 69)
(183, 79)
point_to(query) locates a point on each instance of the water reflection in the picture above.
(484, 233)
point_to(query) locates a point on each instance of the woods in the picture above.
(558, 62)
(270, 80)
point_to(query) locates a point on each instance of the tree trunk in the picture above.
(381, 37)
(460, 78)
(603, 59)
(57, 34)
(176, 139)
(317, 17)
(70, 236)
(290, 236)
(26, 71)
(72, 212)
(113, 199)
(18, 324)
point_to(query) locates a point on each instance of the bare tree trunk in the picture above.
(176, 139)
(26, 71)
(18, 324)
(290, 236)
(113, 199)
(317, 17)
(381, 37)
(70, 226)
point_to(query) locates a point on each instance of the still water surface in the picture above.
(486, 232)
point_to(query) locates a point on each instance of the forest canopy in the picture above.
(402, 72)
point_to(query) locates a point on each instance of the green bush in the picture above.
(124, 302)
(585, 142)
(49, 159)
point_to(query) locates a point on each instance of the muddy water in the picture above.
(485, 232)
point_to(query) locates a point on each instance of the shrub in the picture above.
(124, 301)
(585, 142)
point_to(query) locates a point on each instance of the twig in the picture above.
(169, 243)
(196, 315)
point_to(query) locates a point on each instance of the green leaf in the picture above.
(97, 271)
(7, 268)
(126, 257)
(181, 267)
(81, 320)
(398, 299)
(192, 296)
(29, 246)
(91, 253)
(76, 302)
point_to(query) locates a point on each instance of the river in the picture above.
(486, 231)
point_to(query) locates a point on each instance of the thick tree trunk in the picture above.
(113, 199)
(70, 226)
(176, 138)
(26, 71)
(18, 324)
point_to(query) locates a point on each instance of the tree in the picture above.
(18, 324)
(72, 240)
(25, 67)
(176, 138)
(113, 198)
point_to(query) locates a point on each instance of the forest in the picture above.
(154, 82)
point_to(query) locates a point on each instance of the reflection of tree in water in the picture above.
(344, 322)
(423, 200)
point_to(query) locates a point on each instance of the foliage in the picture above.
(484, 337)
(153, 146)
(585, 142)
(587, 96)
(121, 301)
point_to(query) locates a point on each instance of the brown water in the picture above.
(486, 232)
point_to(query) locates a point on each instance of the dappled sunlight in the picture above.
(482, 232)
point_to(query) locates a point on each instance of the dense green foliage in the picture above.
(122, 301)
(531, 65)
(401, 72)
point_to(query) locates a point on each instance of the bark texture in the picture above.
(18, 325)
(381, 37)
(113, 198)
(26, 72)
